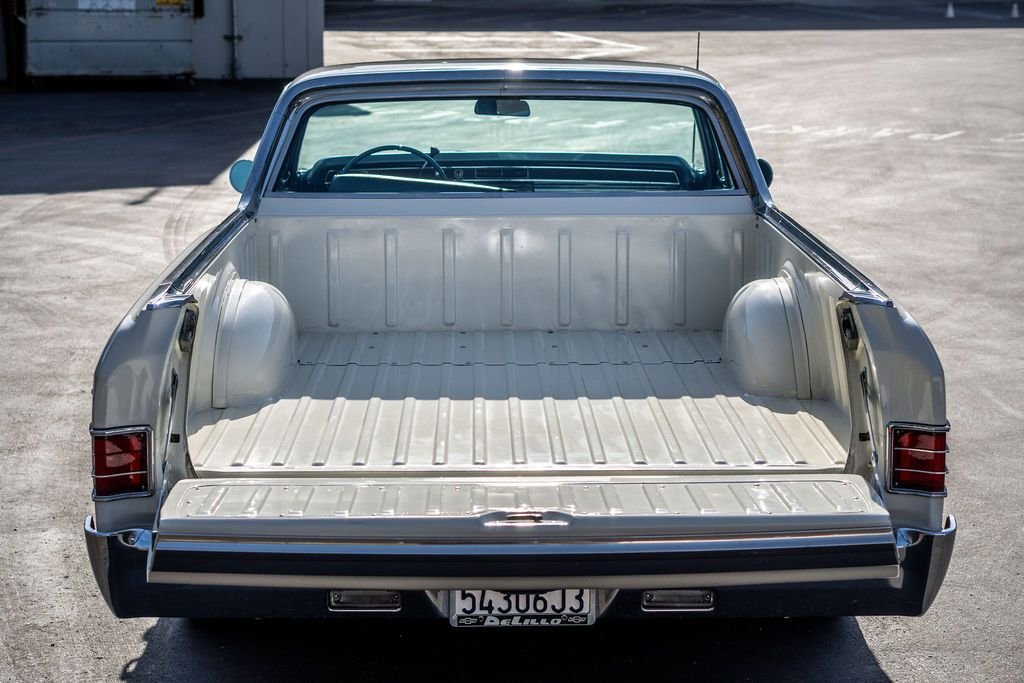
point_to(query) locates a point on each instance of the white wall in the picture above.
(279, 38)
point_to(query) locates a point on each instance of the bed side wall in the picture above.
(903, 375)
(134, 380)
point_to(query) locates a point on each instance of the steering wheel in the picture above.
(394, 148)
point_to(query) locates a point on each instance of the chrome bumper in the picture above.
(119, 559)
(940, 546)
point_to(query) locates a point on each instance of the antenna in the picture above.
(698, 51)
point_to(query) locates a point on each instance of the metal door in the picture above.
(109, 37)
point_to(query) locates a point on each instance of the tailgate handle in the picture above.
(528, 518)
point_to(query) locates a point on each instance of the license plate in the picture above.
(562, 607)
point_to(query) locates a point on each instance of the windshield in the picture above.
(505, 145)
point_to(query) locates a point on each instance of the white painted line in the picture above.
(601, 41)
(449, 38)
(512, 51)
(553, 43)
(858, 132)
(612, 48)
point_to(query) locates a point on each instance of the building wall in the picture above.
(277, 38)
(273, 38)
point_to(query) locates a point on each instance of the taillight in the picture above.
(918, 459)
(120, 461)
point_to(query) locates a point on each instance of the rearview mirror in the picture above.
(766, 171)
(238, 176)
(501, 106)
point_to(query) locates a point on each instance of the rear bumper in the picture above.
(749, 583)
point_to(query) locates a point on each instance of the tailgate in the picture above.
(522, 533)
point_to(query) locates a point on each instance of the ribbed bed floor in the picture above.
(454, 403)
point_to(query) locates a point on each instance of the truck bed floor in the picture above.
(523, 402)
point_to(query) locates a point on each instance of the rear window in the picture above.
(505, 145)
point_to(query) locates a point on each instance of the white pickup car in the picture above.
(515, 343)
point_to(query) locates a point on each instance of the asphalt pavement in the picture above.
(896, 134)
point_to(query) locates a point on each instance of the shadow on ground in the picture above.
(796, 649)
(116, 135)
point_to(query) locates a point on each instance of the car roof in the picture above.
(509, 71)
(398, 69)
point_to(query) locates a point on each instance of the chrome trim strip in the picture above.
(907, 469)
(121, 496)
(915, 492)
(385, 547)
(855, 297)
(188, 272)
(173, 560)
(122, 474)
(917, 426)
(892, 461)
(504, 196)
(173, 293)
(168, 300)
(115, 431)
(136, 539)
(706, 580)
(858, 288)
(920, 450)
